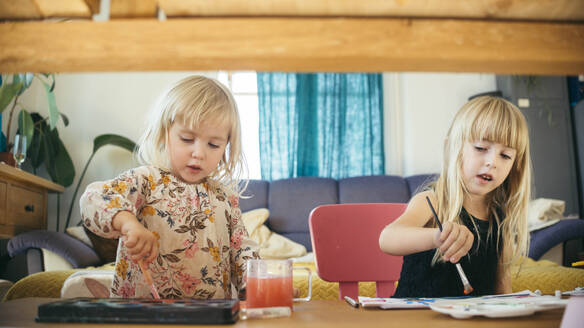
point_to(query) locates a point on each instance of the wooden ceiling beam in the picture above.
(556, 10)
(294, 44)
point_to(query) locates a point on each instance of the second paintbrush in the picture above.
(467, 287)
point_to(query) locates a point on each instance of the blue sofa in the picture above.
(290, 201)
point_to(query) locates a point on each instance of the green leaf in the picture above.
(50, 150)
(36, 151)
(53, 110)
(25, 79)
(113, 139)
(7, 94)
(57, 160)
(54, 83)
(65, 119)
(65, 169)
(26, 126)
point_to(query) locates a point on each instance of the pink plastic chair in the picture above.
(345, 241)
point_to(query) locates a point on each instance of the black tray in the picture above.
(119, 310)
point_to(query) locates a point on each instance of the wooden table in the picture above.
(322, 314)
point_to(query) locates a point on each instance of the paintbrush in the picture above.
(149, 280)
(467, 287)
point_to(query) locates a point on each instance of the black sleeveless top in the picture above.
(420, 279)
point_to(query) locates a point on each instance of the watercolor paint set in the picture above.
(119, 310)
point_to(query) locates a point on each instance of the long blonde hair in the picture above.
(194, 101)
(496, 120)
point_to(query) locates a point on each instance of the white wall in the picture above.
(419, 110)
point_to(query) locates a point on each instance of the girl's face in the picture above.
(194, 154)
(485, 166)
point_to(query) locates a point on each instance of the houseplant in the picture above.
(44, 145)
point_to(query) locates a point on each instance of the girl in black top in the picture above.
(481, 198)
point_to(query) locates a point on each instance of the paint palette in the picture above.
(119, 310)
(497, 307)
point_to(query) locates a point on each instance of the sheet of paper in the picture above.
(491, 306)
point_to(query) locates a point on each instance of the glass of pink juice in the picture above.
(267, 292)
(269, 283)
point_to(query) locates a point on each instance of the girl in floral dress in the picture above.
(179, 212)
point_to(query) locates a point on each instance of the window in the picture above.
(243, 85)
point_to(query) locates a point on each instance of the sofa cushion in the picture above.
(291, 200)
(373, 189)
(416, 183)
(254, 196)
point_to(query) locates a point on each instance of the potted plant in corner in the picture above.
(44, 146)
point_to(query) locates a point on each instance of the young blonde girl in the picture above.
(481, 198)
(178, 213)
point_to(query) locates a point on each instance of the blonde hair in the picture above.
(496, 120)
(194, 101)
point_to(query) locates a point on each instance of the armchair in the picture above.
(29, 253)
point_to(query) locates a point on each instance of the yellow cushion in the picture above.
(40, 284)
(529, 274)
(44, 284)
(324, 290)
(545, 275)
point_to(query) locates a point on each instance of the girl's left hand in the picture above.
(454, 241)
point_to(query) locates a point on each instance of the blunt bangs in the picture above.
(497, 120)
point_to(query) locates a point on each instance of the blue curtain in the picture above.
(320, 124)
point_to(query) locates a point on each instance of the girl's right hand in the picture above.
(454, 241)
(140, 242)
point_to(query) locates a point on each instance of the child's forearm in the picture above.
(123, 220)
(404, 240)
(503, 285)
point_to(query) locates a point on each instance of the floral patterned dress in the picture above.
(203, 245)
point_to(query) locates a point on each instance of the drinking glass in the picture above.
(19, 150)
(269, 283)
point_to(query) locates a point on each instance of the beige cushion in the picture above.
(543, 212)
(272, 245)
(79, 233)
(54, 261)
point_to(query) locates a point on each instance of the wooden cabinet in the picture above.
(23, 201)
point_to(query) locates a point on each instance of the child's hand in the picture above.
(140, 242)
(454, 241)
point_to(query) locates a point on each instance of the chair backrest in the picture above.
(345, 241)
